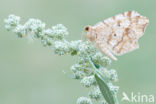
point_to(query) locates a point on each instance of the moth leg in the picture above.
(108, 53)
(105, 50)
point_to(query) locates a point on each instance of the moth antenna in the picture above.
(83, 36)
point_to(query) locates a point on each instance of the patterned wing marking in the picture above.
(126, 44)
(130, 33)
(119, 34)
(126, 29)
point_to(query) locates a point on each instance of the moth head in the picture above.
(90, 33)
(87, 28)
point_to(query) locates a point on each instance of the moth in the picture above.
(119, 34)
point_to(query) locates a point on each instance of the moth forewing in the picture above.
(119, 34)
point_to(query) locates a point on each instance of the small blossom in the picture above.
(83, 60)
(48, 32)
(84, 100)
(88, 81)
(77, 71)
(103, 102)
(34, 26)
(113, 88)
(78, 75)
(95, 93)
(61, 48)
(99, 58)
(104, 72)
(76, 67)
(11, 21)
(74, 46)
(86, 48)
(46, 41)
(59, 31)
(20, 30)
(110, 74)
(113, 75)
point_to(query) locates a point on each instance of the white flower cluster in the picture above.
(95, 93)
(84, 100)
(64, 47)
(88, 81)
(61, 48)
(78, 72)
(35, 28)
(12, 21)
(103, 102)
(113, 88)
(59, 31)
(98, 58)
(110, 74)
(88, 55)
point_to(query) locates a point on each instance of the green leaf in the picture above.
(108, 95)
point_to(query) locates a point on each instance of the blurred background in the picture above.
(32, 74)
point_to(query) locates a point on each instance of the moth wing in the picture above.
(120, 33)
(125, 46)
(133, 27)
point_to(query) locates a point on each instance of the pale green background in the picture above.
(32, 74)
